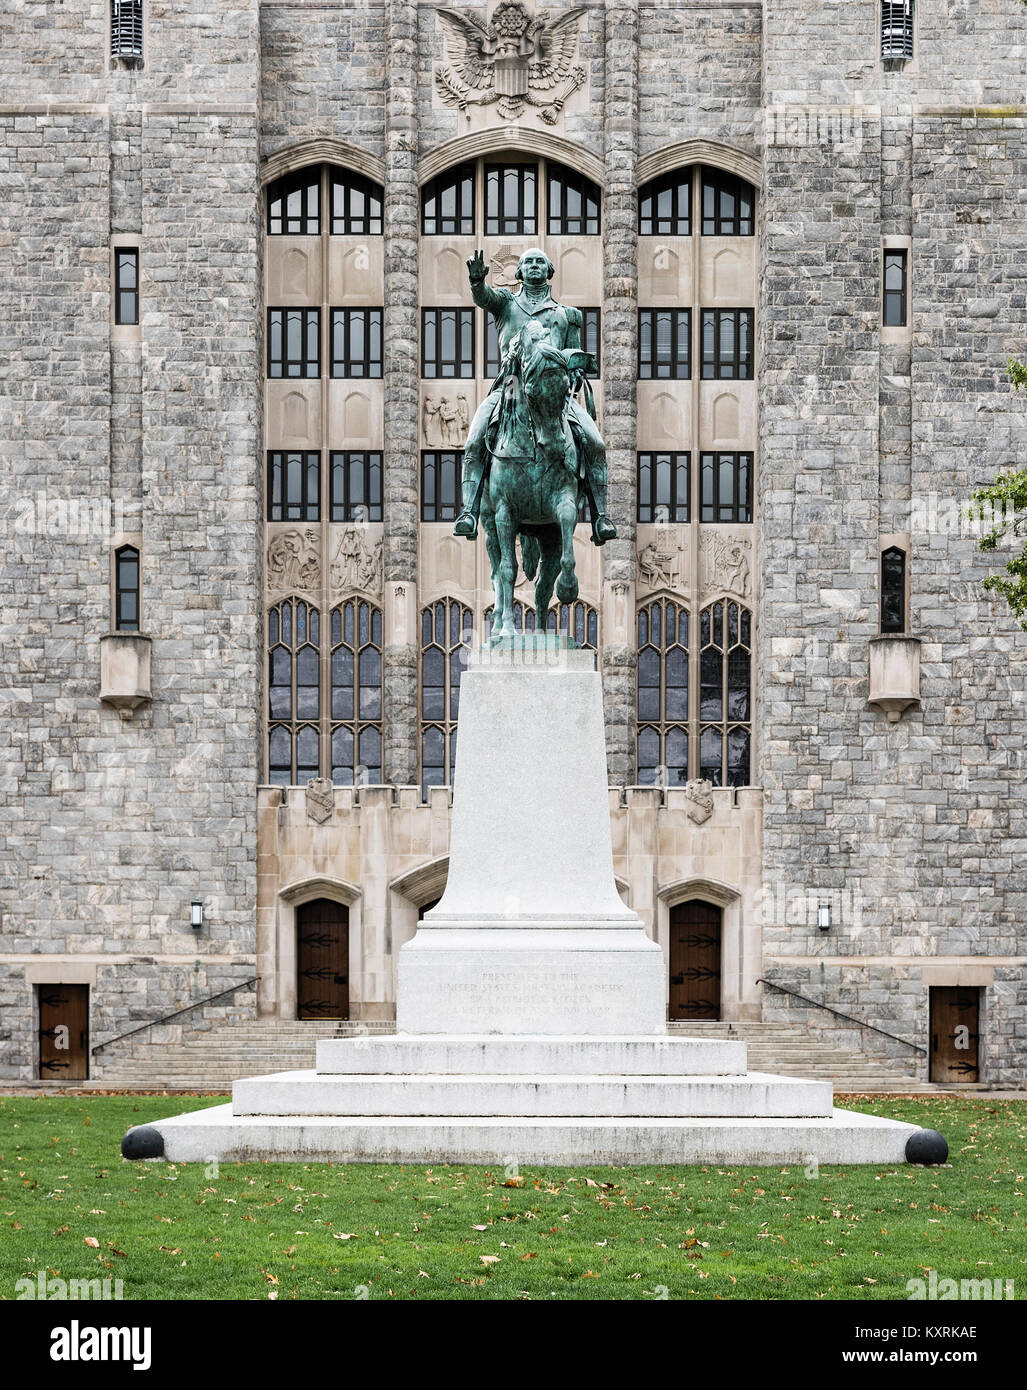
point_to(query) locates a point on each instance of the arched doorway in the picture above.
(695, 946)
(322, 959)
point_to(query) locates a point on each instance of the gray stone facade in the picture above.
(914, 831)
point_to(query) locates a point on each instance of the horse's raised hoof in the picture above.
(567, 588)
(466, 524)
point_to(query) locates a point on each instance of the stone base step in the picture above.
(843, 1137)
(424, 1094)
(542, 1055)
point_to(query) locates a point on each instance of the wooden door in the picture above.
(695, 961)
(64, 1032)
(322, 959)
(955, 1033)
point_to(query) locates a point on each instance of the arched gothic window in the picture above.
(356, 680)
(354, 203)
(446, 628)
(662, 701)
(294, 692)
(578, 620)
(725, 695)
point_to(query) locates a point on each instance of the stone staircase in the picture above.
(212, 1060)
(788, 1050)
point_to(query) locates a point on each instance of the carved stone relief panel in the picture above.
(293, 269)
(664, 270)
(293, 414)
(293, 561)
(664, 414)
(446, 412)
(726, 561)
(509, 62)
(663, 561)
(356, 560)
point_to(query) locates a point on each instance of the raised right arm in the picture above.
(482, 294)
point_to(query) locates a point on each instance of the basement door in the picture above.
(955, 1033)
(695, 930)
(322, 959)
(63, 1032)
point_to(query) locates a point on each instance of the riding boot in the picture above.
(466, 523)
(603, 529)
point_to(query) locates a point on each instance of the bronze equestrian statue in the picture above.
(532, 446)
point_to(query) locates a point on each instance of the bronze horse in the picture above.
(531, 486)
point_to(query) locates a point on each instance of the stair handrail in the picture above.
(156, 1022)
(774, 984)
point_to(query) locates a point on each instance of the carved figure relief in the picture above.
(515, 61)
(320, 800)
(444, 420)
(293, 561)
(356, 565)
(503, 268)
(725, 564)
(699, 801)
(659, 566)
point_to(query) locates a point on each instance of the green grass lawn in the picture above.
(70, 1205)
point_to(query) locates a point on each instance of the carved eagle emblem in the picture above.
(514, 60)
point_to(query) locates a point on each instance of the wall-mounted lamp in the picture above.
(196, 914)
(824, 916)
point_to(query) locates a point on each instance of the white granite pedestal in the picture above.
(531, 1002)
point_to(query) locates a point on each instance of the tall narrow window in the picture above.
(665, 205)
(897, 29)
(356, 204)
(293, 204)
(440, 476)
(511, 200)
(126, 284)
(663, 487)
(356, 485)
(573, 203)
(356, 693)
(493, 360)
(893, 590)
(294, 693)
(727, 344)
(446, 627)
(357, 342)
(591, 320)
(664, 336)
(126, 589)
(126, 28)
(294, 343)
(725, 694)
(662, 694)
(895, 288)
(725, 487)
(447, 342)
(293, 485)
(727, 205)
(447, 203)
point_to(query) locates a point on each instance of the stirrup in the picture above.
(466, 524)
(603, 529)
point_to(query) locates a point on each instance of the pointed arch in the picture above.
(711, 152)
(322, 150)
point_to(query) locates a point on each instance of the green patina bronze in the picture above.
(533, 447)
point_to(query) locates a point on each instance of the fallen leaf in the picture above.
(92, 1242)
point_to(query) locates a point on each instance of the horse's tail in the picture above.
(530, 555)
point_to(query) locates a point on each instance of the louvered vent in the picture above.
(126, 28)
(897, 28)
